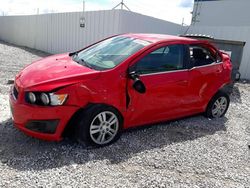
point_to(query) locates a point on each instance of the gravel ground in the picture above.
(192, 152)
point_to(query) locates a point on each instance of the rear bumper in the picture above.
(228, 88)
(24, 114)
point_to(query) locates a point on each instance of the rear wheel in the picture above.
(99, 125)
(218, 105)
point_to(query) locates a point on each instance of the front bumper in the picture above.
(23, 114)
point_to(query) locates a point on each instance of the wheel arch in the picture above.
(225, 88)
(219, 93)
(69, 128)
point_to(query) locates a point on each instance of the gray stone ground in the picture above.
(192, 152)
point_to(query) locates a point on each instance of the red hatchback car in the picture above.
(121, 82)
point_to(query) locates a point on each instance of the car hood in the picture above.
(53, 72)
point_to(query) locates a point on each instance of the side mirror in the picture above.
(138, 85)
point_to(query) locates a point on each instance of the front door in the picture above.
(165, 77)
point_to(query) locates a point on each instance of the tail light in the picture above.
(227, 64)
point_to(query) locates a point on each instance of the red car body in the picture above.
(169, 95)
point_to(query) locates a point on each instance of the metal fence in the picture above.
(61, 32)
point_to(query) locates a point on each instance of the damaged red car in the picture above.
(120, 82)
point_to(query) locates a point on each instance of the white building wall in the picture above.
(230, 33)
(222, 13)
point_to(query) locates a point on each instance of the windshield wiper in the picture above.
(74, 56)
(73, 53)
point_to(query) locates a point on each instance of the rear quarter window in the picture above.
(201, 55)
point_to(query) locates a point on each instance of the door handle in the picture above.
(182, 82)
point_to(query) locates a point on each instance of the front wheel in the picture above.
(218, 105)
(100, 125)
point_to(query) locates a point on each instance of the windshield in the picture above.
(109, 53)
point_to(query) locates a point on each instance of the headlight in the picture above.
(44, 98)
(57, 99)
(32, 97)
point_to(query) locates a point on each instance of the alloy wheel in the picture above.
(104, 127)
(219, 107)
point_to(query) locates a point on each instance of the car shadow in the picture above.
(235, 96)
(236, 93)
(23, 153)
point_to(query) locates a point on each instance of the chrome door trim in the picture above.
(181, 70)
(163, 72)
(212, 64)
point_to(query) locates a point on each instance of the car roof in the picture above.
(155, 38)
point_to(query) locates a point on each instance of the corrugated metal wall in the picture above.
(55, 33)
(61, 32)
(138, 23)
(230, 33)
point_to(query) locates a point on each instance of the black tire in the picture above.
(211, 105)
(84, 122)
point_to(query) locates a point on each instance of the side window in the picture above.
(200, 56)
(167, 58)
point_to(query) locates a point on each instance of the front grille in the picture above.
(15, 93)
